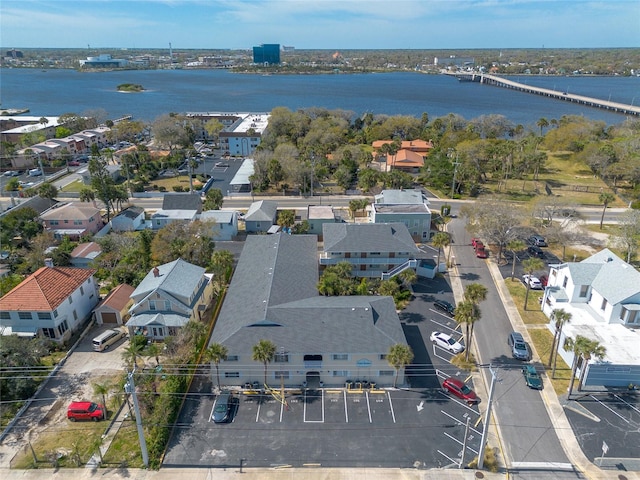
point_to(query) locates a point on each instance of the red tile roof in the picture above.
(118, 298)
(45, 290)
(84, 250)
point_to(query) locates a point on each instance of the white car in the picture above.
(447, 342)
(533, 282)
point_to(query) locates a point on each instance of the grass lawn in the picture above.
(533, 315)
(125, 448)
(71, 443)
(542, 340)
(74, 187)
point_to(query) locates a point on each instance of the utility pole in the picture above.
(464, 442)
(313, 167)
(455, 169)
(130, 388)
(485, 426)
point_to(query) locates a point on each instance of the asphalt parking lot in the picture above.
(416, 427)
(330, 428)
(609, 417)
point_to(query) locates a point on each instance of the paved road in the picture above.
(520, 413)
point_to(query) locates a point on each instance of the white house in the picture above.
(162, 218)
(52, 302)
(602, 294)
(224, 223)
(128, 220)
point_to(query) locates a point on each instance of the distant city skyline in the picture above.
(320, 24)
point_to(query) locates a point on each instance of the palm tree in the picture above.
(439, 240)
(102, 389)
(408, 277)
(398, 357)
(542, 123)
(87, 194)
(131, 353)
(561, 317)
(592, 349)
(216, 353)
(153, 350)
(605, 198)
(264, 351)
(529, 266)
(514, 246)
(582, 348)
(467, 313)
(48, 190)
(475, 293)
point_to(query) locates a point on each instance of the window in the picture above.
(55, 313)
(281, 358)
(63, 327)
(583, 291)
(49, 332)
(24, 315)
(167, 305)
(340, 373)
(77, 222)
(232, 358)
(629, 316)
(70, 299)
(75, 315)
(281, 374)
(66, 221)
(604, 304)
(553, 273)
(152, 305)
(340, 356)
(5, 316)
(386, 373)
(43, 315)
(81, 290)
(53, 222)
(383, 356)
(231, 374)
(564, 282)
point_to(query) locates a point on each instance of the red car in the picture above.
(460, 390)
(475, 242)
(544, 280)
(86, 411)
(480, 251)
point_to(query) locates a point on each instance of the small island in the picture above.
(130, 87)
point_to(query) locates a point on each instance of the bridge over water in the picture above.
(565, 96)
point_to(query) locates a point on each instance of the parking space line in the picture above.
(304, 417)
(443, 349)
(366, 394)
(212, 408)
(446, 326)
(346, 410)
(393, 414)
(258, 412)
(627, 403)
(610, 409)
(464, 404)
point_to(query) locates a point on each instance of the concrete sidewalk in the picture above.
(252, 474)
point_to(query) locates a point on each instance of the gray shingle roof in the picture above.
(367, 237)
(401, 197)
(616, 280)
(132, 212)
(262, 211)
(177, 278)
(273, 295)
(182, 201)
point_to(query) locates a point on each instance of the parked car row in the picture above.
(479, 248)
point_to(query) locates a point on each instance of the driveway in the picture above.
(73, 381)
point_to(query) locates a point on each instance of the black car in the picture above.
(444, 306)
(222, 409)
(535, 251)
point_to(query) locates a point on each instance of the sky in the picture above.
(320, 24)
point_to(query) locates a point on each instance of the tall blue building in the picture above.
(267, 53)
